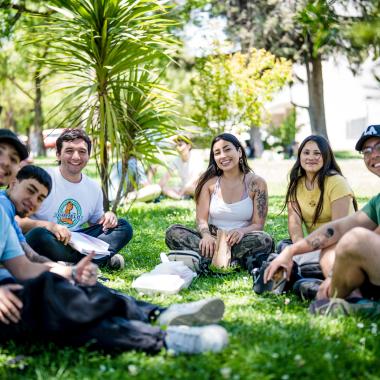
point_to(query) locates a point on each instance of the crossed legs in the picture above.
(357, 260)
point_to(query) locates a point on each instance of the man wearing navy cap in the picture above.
(357, 254)
(12, 152)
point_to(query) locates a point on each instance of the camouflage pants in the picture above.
(179, 237)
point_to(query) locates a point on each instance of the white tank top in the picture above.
(228, 216)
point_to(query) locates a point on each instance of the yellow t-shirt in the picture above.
(336, 187)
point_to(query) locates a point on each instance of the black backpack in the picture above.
(304, 266)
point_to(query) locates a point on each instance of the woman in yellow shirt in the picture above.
(317, 192)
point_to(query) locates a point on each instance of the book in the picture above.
(222, 255)
(86, 244)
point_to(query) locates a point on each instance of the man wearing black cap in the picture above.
(12, 152)
(357, 255)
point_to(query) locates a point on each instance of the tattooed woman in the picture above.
(317, 191)
(228, 196)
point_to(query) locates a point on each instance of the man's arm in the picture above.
(62, 233)
(331, 233)
(27, 224)
(323, 237)
(33, 256)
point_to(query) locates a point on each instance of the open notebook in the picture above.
(85, 244)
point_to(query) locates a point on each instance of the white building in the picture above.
(351, 102)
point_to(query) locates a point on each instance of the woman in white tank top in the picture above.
(231, 197)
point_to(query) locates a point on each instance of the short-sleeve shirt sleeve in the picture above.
(9, 209)
(372, 209)
(9, 245)
(337, 187)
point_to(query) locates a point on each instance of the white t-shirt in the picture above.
(71, 204)
(191, 169)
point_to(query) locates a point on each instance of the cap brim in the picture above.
(18, 145)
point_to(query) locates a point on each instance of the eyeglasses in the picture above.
(366, 152)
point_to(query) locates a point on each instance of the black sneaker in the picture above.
(307, 288)
(337, 306)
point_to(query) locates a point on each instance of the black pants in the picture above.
(55, 310)
(46, 244)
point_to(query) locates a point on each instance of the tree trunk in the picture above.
(36, 133)
(316, 98)
(256, 142)
(10, 122)
(104, 175)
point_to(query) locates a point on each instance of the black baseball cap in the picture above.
(8, 136)
(371, 131)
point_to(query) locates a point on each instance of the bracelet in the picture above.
(74, 273)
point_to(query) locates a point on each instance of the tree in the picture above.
(304, 31)
(368, 32)
(231, 89)
(111, 54)
(16, 64)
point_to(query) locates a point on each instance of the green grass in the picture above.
(271, 337)
(346, 154)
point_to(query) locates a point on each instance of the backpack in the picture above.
(197, 263)
(304, 266)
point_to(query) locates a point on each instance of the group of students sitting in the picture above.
(229, 196)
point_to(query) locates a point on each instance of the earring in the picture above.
(241, 161)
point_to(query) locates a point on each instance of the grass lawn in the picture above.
(271, 337)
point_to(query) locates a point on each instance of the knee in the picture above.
(171, 231)
(124, 226)
(268, 242)
(350, 246)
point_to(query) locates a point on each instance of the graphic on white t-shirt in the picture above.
(69, 213)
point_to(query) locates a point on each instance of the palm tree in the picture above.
(112, 54)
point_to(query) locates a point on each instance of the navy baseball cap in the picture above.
(8, 136)
(371, 131)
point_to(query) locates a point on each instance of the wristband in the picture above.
(74, 273)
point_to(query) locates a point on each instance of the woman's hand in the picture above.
(207, 245)
(283, 261)
(234, 237)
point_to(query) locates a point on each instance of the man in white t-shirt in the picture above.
(189, 166)
(74, 201)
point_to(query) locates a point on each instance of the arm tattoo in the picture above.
(262, 203)
(317, 242)
(261, 197)
(33, 256)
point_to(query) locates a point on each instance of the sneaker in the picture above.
(307, 288)
(116, 262)
(339, 306)
(195, 340)
(201, 312)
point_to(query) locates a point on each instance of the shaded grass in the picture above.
(271, 337)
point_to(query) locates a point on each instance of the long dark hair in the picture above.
(213, 170)
(330, 167)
